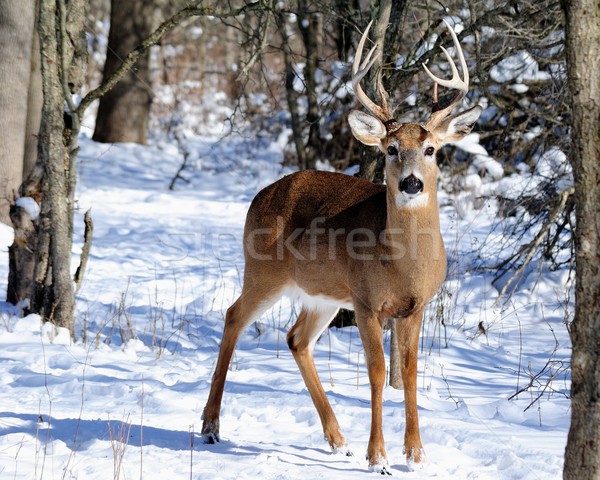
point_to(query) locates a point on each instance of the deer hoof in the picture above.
(382, 469)
(415, 458)
(380, 466)
(343, 450)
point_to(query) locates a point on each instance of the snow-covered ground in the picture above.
(124, 401)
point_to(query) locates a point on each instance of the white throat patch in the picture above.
(405, 200)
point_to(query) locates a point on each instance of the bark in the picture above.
(388, 16)
(388, 35)
(34, 107)
(123, 112)
(21, 256)
(17, 22)
(22, 253)
(582, 457)
(55, 298)
(63, 62)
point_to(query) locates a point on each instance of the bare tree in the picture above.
(64, 54)
(20, 98)
(582, 458)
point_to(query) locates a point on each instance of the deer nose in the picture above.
(411, 185)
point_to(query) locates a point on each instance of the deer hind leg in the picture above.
(407, 331)
(301, 339)
(246, 309)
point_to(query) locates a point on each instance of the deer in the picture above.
(335, 241)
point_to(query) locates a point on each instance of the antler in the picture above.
(359, 70)
(440, 112)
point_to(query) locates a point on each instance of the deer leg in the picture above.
(371, 335)
(301, 340)
(247, 308)
(407, 331)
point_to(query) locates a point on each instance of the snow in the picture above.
(30, 206)
(127, 395)
(519, 67)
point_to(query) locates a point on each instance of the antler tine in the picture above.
(456, 82)
(359, 70)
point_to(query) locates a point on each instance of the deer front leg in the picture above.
(407, 332)
(370, 328)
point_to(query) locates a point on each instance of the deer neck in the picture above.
(413, 230)
(422, 211)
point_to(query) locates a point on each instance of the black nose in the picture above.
(411, 185)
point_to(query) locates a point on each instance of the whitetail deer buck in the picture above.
(338, 241)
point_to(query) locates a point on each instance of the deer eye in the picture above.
(392, 151)
(429, 151)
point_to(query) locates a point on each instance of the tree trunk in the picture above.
(346, 11)
(63, 62)
(387, 35)
(310, 25)
(123, 112)
(395, 362)
(21, 256)
(55, 300)
(17, 23)
(582, 457)
(291, 94)
(372, 162)
(34, 107)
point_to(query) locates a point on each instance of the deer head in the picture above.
(410, 148)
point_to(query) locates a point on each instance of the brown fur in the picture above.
(411, 135)
(340, 241)
(282, 254)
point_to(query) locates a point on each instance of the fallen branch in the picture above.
(85, 251)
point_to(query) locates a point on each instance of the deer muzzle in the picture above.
(411, 185)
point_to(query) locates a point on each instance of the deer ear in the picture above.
(366, 128)
(458, 126)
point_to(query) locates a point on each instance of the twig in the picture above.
(547, 368)
(186, 156)
(530, 249)
(256, 55)
(119, 439)
(85, 251)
